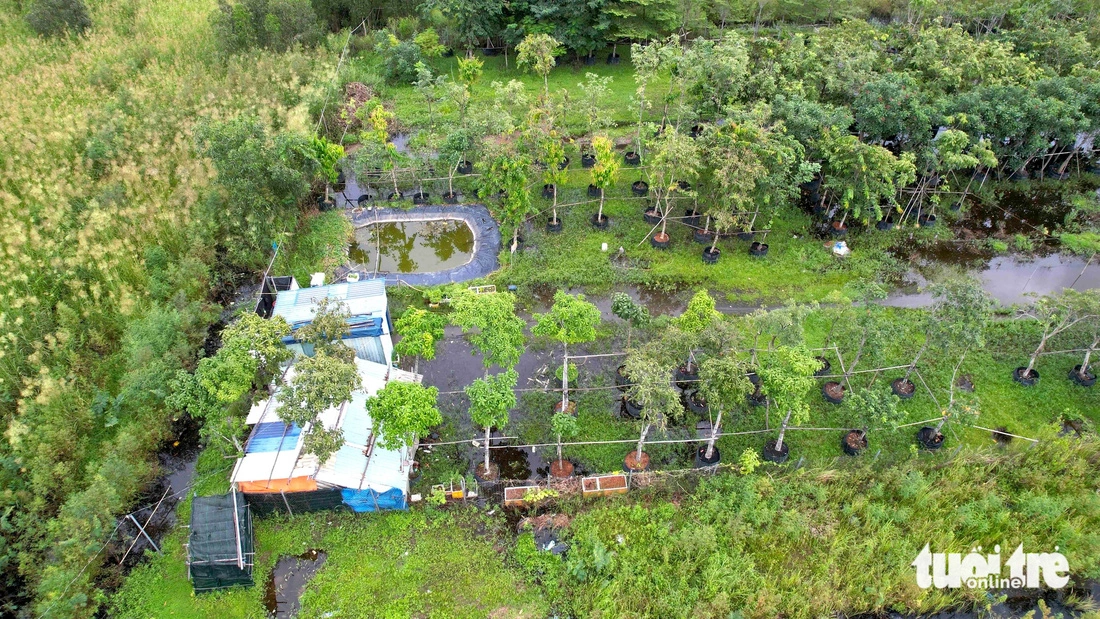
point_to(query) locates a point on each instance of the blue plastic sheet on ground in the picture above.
(368, 500)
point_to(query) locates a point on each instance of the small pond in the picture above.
(412, 246)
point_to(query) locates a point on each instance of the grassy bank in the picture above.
(819, 540)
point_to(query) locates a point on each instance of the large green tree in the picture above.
(420, 332)
(403, 411)
(490, 399)
(492, 326)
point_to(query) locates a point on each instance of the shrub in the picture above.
(50, 18)
(273, 24)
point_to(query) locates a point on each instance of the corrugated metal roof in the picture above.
(363, 298)
(349, 467)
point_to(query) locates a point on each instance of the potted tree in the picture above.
(1082, 373)
(961, 410)
(571, 320)
(401, 411)
(873, 410)
(603, 175)
(552, 155)
(787, 375)
(725, 385)
(634, 315)
(858, 178)
(675, 161)
(699, 315)
(657, 401)
(490, 399)
(490, 322)
(732, 168)
(536, 53)
(958, 317)
(866, 324)
(505, 179)
(1055, 315)
(420, 331)
(563, 425)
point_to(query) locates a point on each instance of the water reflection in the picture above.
(412, 247)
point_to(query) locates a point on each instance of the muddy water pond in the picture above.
(288, 580)
(413, 246)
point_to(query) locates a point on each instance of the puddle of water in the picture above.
(413, 246)
(1016, 212)
(513, 462)
(1011, 279)
(288, 580)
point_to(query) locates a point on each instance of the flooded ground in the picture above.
(288, 580)
(412, 247)
(1008, 279)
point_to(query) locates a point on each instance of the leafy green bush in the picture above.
(272, 24)
(51, 18)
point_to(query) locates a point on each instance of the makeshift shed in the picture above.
(220, 548)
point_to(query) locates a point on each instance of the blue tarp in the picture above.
(273, 436)
(368, 500)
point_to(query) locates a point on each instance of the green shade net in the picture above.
(220, 546)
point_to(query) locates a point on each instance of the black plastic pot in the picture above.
(703, 238)
(830, 399)
(861, 440)
(686, 378)
(451, 197)
(564, 164)
(771, 454)
(421, 197)
(465, 167)
(758, 250)
(632, 409)
(639, 188)
(885, 224)
(696, 131)
(622, 381)
(711, 258)
(929, 438)
(754, 378)
(326, 205)
(589, 60)
(701, 459)
(1028, 380)
(691, 217)
(651, 216)
(745, 236)
(548, 191)
(693, 401)
(613, 59)
(598, 223)
(593, 191)
(491, 51)
(838, 230)
(1086, 379)
(632, 158)
(553, 227)
(364, 198)
(903, 388)
(926, 221)
(659, 244)
(683, 185)
(588, 160)
(396, 195)
(825, 366)
(1018, 175)
(956, 206)
(758, 397)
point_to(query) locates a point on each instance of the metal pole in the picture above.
(143, 533)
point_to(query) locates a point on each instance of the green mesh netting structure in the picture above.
(220, 548)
